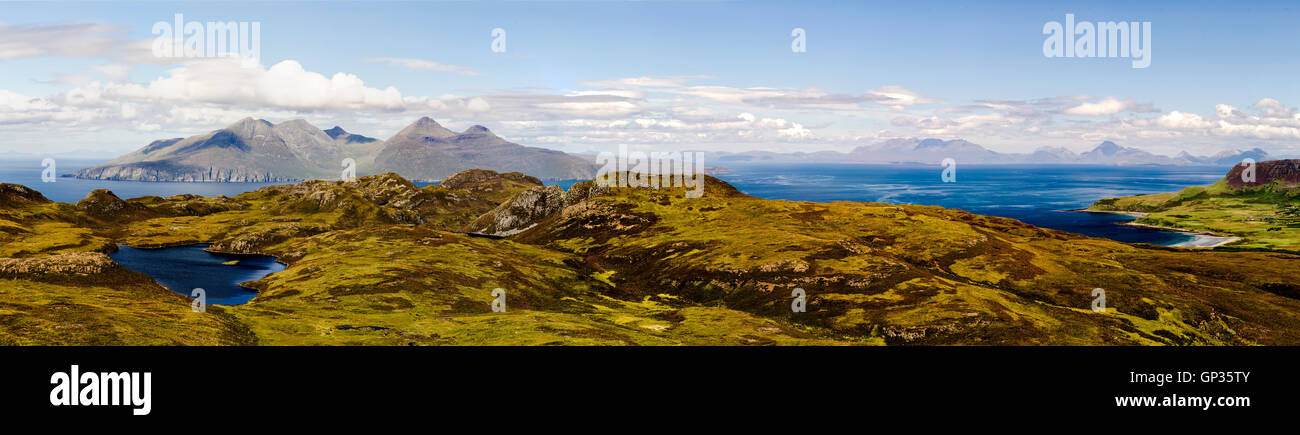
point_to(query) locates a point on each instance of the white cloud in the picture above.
(1271, 108)
(426, 65)
(1109, 106)
(1180, 120)
(64, 40)
(644, 82)
(243, 83)
(796, 131)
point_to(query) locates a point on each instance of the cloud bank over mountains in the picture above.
(674, 112)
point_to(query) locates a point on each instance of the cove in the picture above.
(185, 268)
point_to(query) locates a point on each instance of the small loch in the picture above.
(185, 268)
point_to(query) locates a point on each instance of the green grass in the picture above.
(1259, 215)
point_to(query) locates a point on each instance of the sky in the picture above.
(684, 75)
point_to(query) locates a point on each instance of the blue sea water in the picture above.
(184, 268)
(1035, 194)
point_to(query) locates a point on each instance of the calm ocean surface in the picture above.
(1036, 194)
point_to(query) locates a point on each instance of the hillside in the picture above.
(379, 261)
(1265, 213)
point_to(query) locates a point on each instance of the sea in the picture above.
(1041, 195)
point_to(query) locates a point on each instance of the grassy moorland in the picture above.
(378, 261)
(1265, 213)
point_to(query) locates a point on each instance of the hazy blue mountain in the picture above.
(426, 150)
(250, 150)
(933, 151)
(255, 150)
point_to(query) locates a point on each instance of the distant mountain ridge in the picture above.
(256, 150)
(913, 150)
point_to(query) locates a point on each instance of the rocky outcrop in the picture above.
(255, 242)
(484, 180)
(102, 203)
(17, 195)
(529, 207)
(521, 212)
(1285, 172)
(89, 268)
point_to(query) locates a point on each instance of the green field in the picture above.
(1265, 217)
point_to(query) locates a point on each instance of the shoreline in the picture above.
(1200, 239)
(1136, 214)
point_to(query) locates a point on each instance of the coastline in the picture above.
(1200, 239)
(1136, 214)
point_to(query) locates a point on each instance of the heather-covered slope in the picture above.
(378, 261)
(921, 275)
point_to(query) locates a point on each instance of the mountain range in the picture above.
(255, 150)
(929, 151)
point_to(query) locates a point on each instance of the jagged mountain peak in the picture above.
(249, 122)
(425, 127)
(335, 132)
(1108, 148)
(296, 123)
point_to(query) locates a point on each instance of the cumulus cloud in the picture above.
(1108, 106)
(244, 83)
(1271, 108)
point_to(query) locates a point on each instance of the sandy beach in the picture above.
(1200, 239)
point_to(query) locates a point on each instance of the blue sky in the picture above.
(721, 75)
